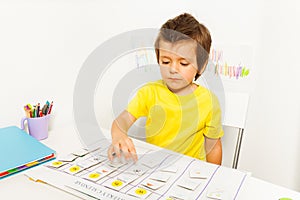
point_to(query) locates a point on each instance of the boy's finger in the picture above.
(134, 156)
(125, 149)
(132, 150)
(116, 151)
(126, 153)
(110, 153)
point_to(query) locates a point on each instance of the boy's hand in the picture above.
(122, 144)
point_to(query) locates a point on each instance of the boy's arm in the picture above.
(213, 148)
(120, 139)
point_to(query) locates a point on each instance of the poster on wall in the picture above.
(233, 65)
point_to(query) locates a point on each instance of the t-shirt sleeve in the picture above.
(138, 105)
(213, 127)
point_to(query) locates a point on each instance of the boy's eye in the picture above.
(184, 64)
(165, 62)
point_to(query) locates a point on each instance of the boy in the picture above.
(181, 115)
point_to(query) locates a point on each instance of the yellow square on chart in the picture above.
(115, 184)
(139, 192)
(93, 176)
(57, 164)
(73, 169)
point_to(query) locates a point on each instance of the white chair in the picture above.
(235, 112)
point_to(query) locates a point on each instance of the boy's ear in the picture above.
(201, 71)
(202, 68)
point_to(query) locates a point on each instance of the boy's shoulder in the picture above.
(154, 85)
(203, 91)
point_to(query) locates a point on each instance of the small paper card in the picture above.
(171, 168)
(115, 184)
(93, 176)
(160, 176)
(139, 192)
(179, 193)
(68, 158)
(56, 164)
(152, 160)
(127, 177)
(73, 169)
(104, 170)
(80, 152)
(116, 163)
(100, 152)
(154, 185)
(87, 163)
(137, 169)
(215, 194)
(99, 158)
(188, 183)
(195, 173)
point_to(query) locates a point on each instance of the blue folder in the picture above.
(19, 151)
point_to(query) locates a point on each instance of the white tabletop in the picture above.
(19, 186)
(65, 139)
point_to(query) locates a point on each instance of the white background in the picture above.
(44, 43)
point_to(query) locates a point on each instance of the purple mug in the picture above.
(37, 127)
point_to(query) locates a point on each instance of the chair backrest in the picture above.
(236, 106)
(235, 112)
(229, 143)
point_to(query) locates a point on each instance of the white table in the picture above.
(65, 139)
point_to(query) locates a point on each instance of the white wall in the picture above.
(272, 141)
(44, 43)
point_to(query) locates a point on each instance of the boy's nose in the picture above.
(174, 68)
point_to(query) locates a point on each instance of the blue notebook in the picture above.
(19, 151)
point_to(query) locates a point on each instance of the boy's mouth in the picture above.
(174, 79)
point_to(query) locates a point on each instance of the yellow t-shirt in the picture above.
(175, 122)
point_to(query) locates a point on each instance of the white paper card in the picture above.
(99, 158)
(160, 176)
(196, 173)
(154, 185)
(179, 193)
(68, 158)
(188, 183)
(93, 176)
(127, 177)
(215, 194)
(74, 169)
(139, 192)
(171, 168)
(137, 169)
(115, 184)
(80, 152)
(105, 170)
(87, 163)
(116, 163)
(56, 164)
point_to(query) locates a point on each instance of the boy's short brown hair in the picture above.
(186, 27)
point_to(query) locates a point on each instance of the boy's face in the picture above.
(178, 65)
